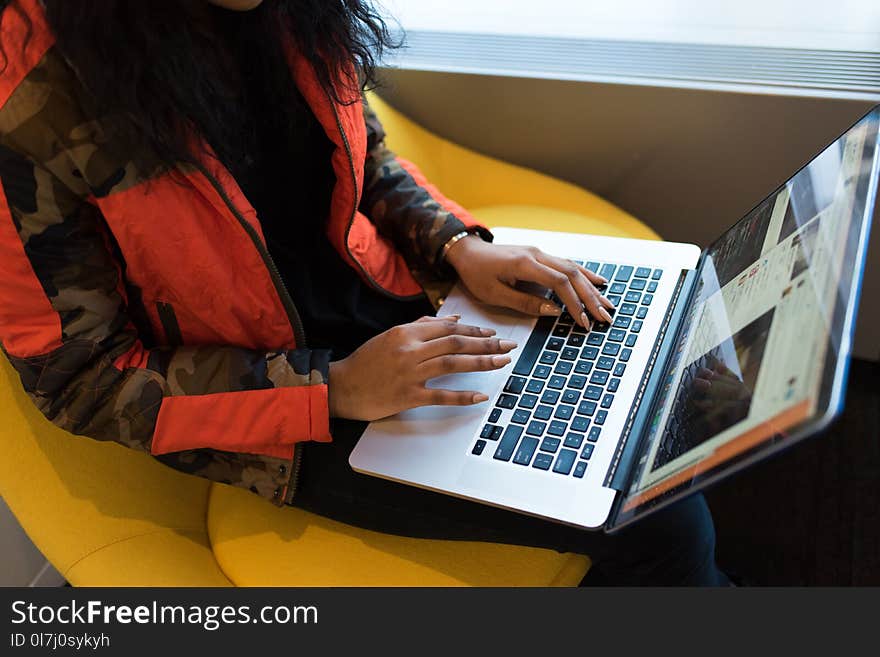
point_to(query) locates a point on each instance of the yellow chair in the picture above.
(107, 516)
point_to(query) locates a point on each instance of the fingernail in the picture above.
(603, 280)
(480, 397)
(507, 345)
(487, 332)
(606, 300)
(500, 361)
(550, 309)
(454, 318)
(585, 322)
(605, 315)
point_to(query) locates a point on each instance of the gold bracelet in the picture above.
(452, 240)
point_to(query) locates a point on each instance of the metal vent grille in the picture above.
(743, 68)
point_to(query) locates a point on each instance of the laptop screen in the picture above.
(760, 358)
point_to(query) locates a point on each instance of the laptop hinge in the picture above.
(616, 477)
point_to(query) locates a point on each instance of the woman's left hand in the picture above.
(490, 271)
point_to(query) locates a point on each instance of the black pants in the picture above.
(675, 546)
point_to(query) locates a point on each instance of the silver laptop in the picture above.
(714, 360)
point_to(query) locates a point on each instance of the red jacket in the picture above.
(140, 305)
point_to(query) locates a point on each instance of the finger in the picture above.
(440, 397)
(508, 297)
(457, 363)
(548, 276)
(593, 277)
(463, 344)
(588, 295)
(431, 330)
(433, 318)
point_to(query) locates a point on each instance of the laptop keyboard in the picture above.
(551, 411)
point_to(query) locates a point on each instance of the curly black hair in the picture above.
(157, 66)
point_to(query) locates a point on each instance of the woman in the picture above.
(191, 191)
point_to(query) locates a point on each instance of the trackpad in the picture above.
(528, 487)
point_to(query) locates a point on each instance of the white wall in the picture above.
(821, 24)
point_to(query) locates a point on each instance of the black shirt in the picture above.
(285, 173)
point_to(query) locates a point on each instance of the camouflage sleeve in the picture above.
(407, 209)
(64, 326)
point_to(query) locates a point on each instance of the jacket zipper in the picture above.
(293, 317)
(351, 169)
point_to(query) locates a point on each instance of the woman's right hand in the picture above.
(387, 374)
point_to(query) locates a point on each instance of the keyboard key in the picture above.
(556, 382)
(631, 340)
(496, 432)
(520, 416)
(564, 461)
(590, 353)
(614, 298)
(532, 348)
(549, 444)
(593, 392)
(555, 344)
(652, 286)
(583, 367)
(617, 288)
(619, 369)
(604, 363)
(557, 428)
(613, 385)
(611, 349)
(616, 335)
(579, 423)
(625, 355)
(564, 412)
(543, 461)
(599, 378)
(647, 299)
(560, 331)
(570, 353)
(543, 412)
(622, 322)
(479, 446)
(515, 385)
(535, 386)
(577, 382)
(580, 469)
(550, 397)
(657, 274)
(607, 271)
(566, 318)
(607, 400)
(536, 428)
(548, 358)
(592, 266)
(601, 327)
(626, 309)
(525, 451)
(632, 296)
(508, 443)
(623, 273)
(506, 401)
(636, 326)
(576, 340)
(574, 440)
(487, 431)
(593, 436)
(562, 367)
(528, 401)
(571, 396)
(637, 284)
(642, 312)
(600, 417)
(595, 340)
(586, 407)
(587, 451)
(577, 329)
(494, 415)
